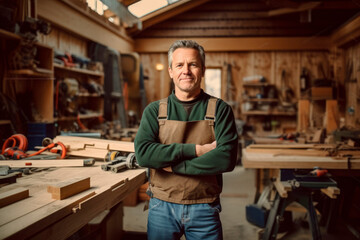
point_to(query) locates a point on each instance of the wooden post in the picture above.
(331, 116)
(303, 115)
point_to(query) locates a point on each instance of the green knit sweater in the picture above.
(181, 157)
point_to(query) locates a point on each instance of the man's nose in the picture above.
(186, 69)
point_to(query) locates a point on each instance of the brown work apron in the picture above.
(185, 189)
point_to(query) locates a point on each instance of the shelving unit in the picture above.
(260, 107)
(90, 102)
(31, 89)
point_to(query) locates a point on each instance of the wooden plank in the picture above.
(286, 146)
(82, 142)
(303, 115)
(48, 163)
(281, 189)
(331, 116)
(89, 152)
(263, 160)
(12, 196)
(301, 152)
(68, 188)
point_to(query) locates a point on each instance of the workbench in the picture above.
(41, 217)
(277, 161)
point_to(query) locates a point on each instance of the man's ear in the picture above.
(170, 72)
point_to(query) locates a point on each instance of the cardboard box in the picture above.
(320, 93)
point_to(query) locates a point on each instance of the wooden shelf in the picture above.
(273, 113)
(89, 95)
(269, 100)
(39, 72)
(81, 116)
(79, 70)
(4, 122)
(9, 35)
(257, 84)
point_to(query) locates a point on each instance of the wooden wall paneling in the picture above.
(80, 23)
(337, 65)
(64, 41)
(288, 62)
(158, 83)
(349, 86)
(241, 66)
(263, 65)
(312, 60)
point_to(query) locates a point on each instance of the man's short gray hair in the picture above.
(186, 44)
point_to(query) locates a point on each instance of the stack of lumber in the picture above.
(91, 147)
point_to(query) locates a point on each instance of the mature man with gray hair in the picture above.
(187, 140)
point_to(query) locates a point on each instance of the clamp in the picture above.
(120, 162)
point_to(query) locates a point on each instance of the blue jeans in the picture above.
(197, 221)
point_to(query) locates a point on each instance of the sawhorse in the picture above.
(301, 190)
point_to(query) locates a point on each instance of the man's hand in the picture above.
(168, 169)
(202, 149)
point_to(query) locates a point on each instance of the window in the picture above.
(213, 81)
(144, 7)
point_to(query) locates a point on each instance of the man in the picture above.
(187, 140)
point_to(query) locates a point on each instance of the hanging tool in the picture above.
(119, 162)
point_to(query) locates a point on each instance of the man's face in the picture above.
(186, 70)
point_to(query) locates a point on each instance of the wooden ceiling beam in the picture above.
(348, 33)
(160, 45)
(234, 32)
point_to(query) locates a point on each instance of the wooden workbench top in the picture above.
(272, 160)
(39, 216)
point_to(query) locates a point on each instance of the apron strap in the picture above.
(211, 108)
(162, 115)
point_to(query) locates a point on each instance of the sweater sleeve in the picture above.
(223, 157)
(148, 149)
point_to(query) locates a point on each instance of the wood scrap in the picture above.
(49, 163)
(68, 188)
(331, 192)
(91, 147)
(282, 188)
(11, 196)
(77, 143)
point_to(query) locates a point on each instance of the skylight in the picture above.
(144, 7)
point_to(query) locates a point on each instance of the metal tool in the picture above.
(119, 162)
